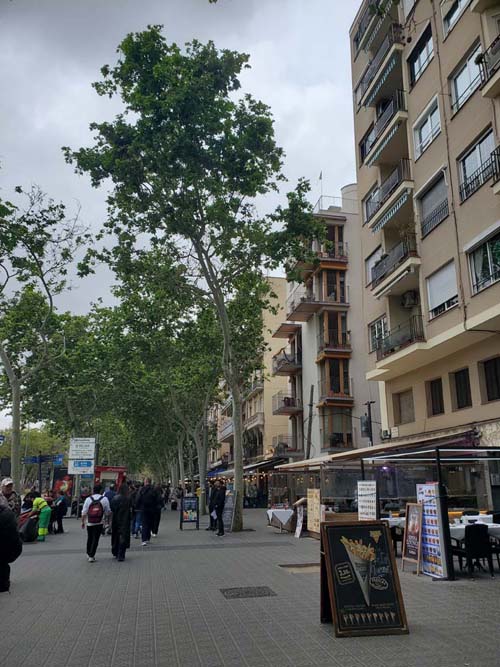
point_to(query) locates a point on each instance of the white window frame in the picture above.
(482, 178)
(474, 83)
(470, 258)
(425, 63)
(462, 6)
(450, 302)
(433, 132)
(368, 276)
(381, 324)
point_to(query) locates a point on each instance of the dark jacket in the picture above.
(147, 499)
(121, 508)
(219, 498)
(10, 542)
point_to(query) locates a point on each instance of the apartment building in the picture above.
(262, 428)
(324, 356)
(426, 88)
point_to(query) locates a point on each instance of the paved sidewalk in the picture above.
(163, 607)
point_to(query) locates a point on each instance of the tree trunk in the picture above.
(238, 457)
(201, 450)
(15, 451)
(180, 452)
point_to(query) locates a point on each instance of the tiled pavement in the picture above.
(163, 606)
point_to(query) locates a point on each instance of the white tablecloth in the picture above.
(458, 532)
(283, 516)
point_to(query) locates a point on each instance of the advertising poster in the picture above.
(367, 501)
(228, 512)
(313, 510)
(300, 520)
(364, 590)
(189, 510)
(433, 558)
(412, 539)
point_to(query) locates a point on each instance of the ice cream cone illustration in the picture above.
(361, 557)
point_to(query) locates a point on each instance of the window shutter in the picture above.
(442, 286)
(433, 197)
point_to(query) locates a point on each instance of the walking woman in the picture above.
(121, 507)
(41, 507)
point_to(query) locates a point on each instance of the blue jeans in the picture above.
(137, 522)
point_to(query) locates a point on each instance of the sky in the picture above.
(52, 50)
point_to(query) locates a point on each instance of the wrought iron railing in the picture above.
(489, 61)
(399, 337)
(365, 20)
(257, 419)
(495, 156)
(285, 359)
(394, 36)
(472, 183)
(334, 339)
(407, 247)
(401, 173)
(398, 103)
(283, 401)
(436, 216)
(332, 250)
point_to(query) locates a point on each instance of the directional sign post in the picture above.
(81, 466)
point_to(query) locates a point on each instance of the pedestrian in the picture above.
(211, 509)
(10, 495)
(218, 502)
(10, 543)
(147, 503)
(155, 526)
(61, 506)
(110, 493)
(95, 511)
(42, 508)
(136, 513)
(121, 507)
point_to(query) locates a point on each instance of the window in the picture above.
(452, 12)
(339, 377)
(476, 166)
(404, 412)
(492, 378)
(442, 290)
(370, 263)
(370, 203)
(485, 264)
(434, 205)
(460, 387)
(377, 331)
(427, 129)
(367, 142)
(466, 80)
(421, 56)
(336, 425)
(435, 403)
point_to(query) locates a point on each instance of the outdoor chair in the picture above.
(476, 545)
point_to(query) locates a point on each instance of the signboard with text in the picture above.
(364, 593)
(433, 556)
(228, 511)
(81, 448)
(412, 538)
(367, 501)
(80, 466)
(313, 510)
(189, 511)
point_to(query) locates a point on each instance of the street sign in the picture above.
(81, 448)
(29, 460)
(56, 459)
(2, 439)
(81, 466)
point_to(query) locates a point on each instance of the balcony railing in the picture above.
(435, 217)
(299, 295)
(394, 36)
(285, 444)
(397, 103)
(489, 61)
(478, 178)
(331, 250)
(335, 389)
(286, 404)
(338, 295)
(334, 340)
(401, 173)
(365, 20)
(226, 429)
(286, 362)
(401, 336)
(495, 156)
(256, 384)
(396, 256)
(336, 440)
(327, 202)
(257, 419)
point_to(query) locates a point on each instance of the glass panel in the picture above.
(492, 377)
(486, 147)
(433, 197)
(462, 389)
(480, 266)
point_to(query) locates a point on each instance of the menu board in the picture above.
(313, 510)
(433, 543)
(189, 511)
(300, 520)
(412, 539)
(364, 590)
(367, 501)
(228, 511)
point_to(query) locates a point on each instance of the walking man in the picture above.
(219, 500)
(61, 511)
(147, 503)
(95, 509)
(10, 543)
(122, 514)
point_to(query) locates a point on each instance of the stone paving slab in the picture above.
(163, 607)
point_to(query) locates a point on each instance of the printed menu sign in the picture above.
(189, 511)
(433, 549)
(313, 510)
(364, 590)
(412, 540)
(367, 501)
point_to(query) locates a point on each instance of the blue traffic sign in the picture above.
(2, 439)
(56, 459)
(27, 460)
(83, 464)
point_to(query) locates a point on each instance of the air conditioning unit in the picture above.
(385, 435)
(410, 299)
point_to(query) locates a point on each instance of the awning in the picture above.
(216, 472)
(392, 211)
(375, 156)
(382, 79)
(268, 464)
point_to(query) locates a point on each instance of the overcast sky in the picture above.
(51, 51)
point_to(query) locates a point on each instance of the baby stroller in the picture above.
(28, 526)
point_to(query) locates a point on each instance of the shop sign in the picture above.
(412, 538)
(433, 557)
(189, 511)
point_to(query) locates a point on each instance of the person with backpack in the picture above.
(147, 503)
(95, 510)
(10, 543)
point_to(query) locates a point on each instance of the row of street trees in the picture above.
(185, 163)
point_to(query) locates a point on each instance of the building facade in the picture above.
(426, 87)
(324, 358)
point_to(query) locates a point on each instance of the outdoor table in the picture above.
(457, 532)
(282, 517)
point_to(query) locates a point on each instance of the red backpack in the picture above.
(96, 511)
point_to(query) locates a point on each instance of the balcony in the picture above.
(286, 363)
(407, 333)
(332, 391)
(334, 342)
(386, 140)
(286, 404)
(495, 156)
(253, 387)
(226, 430)
(332, 252)
(286, 330)
(482, 175)
(435, 217)
(489, 62)
(287, 446)
(372, 86)
(481, 6)
(397, 267)
(335, 441)
(303, 303)
(387, 203)
(254, 421)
